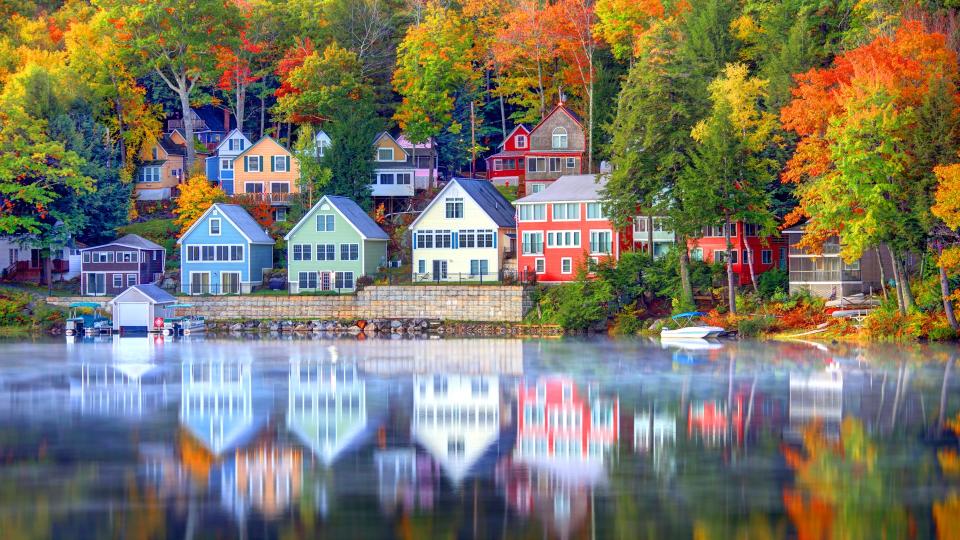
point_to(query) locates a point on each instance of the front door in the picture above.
(96, 284)
(199, 282)
(439, 269)
(230, 282)
(324, 281)
(35, 258)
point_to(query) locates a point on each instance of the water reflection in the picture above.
(483, 438)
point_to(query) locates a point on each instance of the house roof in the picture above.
(130, 240)
(559, 107)
(508, 154)
(171, 147)
(512, 131)
(405, 143)
(154, 294)
(261, 139)
(490, 200)
(394, 139)
(211, 116)
(569, 187)
(241, 220)
(351, 211)
(227, 137)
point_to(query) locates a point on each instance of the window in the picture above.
(131, 280)
(442, 239)
(326, 252)
(533, 212)
(14, 254)
(498, 164)
(566, 265)
(280, 163)
(537, 188)
(423, 239)
(384, 154)
(253, 187)
(280, 214)
(214, 253)
(750, 229)
(564, 239)
(540, 266)
(571, 163)
(696, 254)
(235, 144)
(521, 141)
(421, 266)
(126, 256)
(454, 208)
(403, 179)
(595, 210)
(766, 256)
(236, 253)
(478, 267)
(226, 164)
(479, 387)
(385, 179)
(349, 252)
(510, 164)
(150, 174)
(566, 211)
(325, 223)
(117, 281)
(456, 447)
(302, 252)
(536, 164)
(307, 280)
(720, 256)
(214, 226)
(343, 280)
(102, 257)
(746, 256)
(253, 163)
(532, 243)
(601, 242)
(482, 238)
(559, 137)
(554, 164)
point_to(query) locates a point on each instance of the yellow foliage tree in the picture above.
(196, 196)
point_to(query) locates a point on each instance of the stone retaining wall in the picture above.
(436, 302)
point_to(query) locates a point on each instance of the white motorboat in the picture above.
(691, 331)
(185, 325)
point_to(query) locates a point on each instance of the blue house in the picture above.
(224, 252)
(219, 166)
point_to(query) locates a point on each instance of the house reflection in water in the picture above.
(655, 433)
(120, 389)
(405, 480)
(266, 477)
(456, 418)
(216, 403)
(816, 397)
(711, 421)
(563, 442)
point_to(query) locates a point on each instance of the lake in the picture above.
(343, 438)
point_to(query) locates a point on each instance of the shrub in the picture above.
(941, 332)
(755, 326)
(889, 325)
(14, 308)
(628, 321)
(363, 282)
(772, 282)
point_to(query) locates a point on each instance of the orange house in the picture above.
(161, 169)
(269, 170)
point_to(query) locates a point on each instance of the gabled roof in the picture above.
(491, 201)
(559, 107)
(170, 147)
(404, 142)
(147, 291)
(240, 219)
(351, 211)
(211, 117)
(392, 138)
(508, 154)
(228, 136)
(569, 188)
(512, 131)
(260, 140)
(130, 240)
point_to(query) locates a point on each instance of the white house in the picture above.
(220, 164)
(321, 141)
(137, 308)
(21, 260)
(465, 234)
(216, 403)
(456, 418)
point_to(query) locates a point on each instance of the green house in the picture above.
(335, 243)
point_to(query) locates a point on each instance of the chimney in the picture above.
(226, 120)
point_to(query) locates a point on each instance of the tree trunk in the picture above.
(686, 288)
(908, 301)
(262, 114)
(883, 278)
(898, 281)
(187, 132)
(241, 98)
(947, 302)
(543, 98)
(590, 123)
(118, 110)
(753, 274)
(731, 282)
(503, 119)
(650, 234)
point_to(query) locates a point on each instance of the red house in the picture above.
(507, 166)
(559, 227)
(768, 251)
(556, 421)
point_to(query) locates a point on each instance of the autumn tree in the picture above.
(197, 195)
(433, 62)
(316, 88)
(175, 40)
(947, 208)
(525, 55)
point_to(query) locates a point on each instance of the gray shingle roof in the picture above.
(490, 200)
(245, 222)
(355, 215)
(131, 240)
(571, 187)
(151, 291)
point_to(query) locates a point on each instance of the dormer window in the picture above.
(521, 141)
(559, 137)
(384, 154)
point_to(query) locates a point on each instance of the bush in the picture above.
(363, 282)
(628, 321)
(575, 306)
(941, 332)
(755, 326)
(889, 325)
(772, 282)
(14, 308)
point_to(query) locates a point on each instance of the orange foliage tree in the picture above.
(258, 208)
(196, 195)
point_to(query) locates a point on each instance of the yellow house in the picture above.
(267, 169)
(161, 169)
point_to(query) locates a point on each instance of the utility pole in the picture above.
(473, 141)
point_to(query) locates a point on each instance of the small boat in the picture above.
(185, 325)
(89, 324)
(686, 330)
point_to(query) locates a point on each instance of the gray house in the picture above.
(826, 274)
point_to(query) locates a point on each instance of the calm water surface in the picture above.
(219, 438)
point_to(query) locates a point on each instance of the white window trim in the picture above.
(393, 154)
(281, 161)
(226, 161)
(586, 212)
(537, 261)
(186, 252)
(571, 231)
(600, 253)
(340, 247)
(219, 227)
(190, 280)
(239, 280)
(543, 243)
(555, 218)
(532, 220)
(520, 141)
(567, 260)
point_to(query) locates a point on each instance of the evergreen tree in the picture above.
(350, 156)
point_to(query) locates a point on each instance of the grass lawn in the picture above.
(161, 231)
(509, 192)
